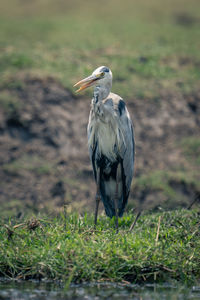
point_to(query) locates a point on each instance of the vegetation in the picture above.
(11, 105)
(163, 246)
(167, 182)
(156, 44)
(31, 163)
(191, 148)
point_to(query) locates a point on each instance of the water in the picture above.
(21, 290)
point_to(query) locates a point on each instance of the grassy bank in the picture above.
(68, 248)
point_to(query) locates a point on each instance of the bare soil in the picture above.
(44, 159)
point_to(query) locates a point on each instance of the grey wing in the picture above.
(127, 147)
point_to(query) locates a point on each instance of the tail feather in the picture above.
(107, 189)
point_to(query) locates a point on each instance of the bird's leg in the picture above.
(98, 197)
(118, 174)
(133, 224)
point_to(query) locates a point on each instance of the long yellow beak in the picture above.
(87, 82)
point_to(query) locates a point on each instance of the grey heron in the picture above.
(110, 142)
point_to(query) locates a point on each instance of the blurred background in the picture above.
(153, 50)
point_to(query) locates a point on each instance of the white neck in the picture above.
(101, 92)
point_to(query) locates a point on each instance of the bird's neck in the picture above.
(101, 92)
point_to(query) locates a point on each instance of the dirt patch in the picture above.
(44, 158)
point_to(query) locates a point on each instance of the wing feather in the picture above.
(127, 142)
(125, 150)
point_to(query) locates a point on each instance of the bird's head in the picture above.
(101, 77)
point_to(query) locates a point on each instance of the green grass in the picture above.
(191, 149)
(68, 248)
(10, 104)
(170, 186)
(143, 43)
(160, 179)
(148, 50)
(30, 163)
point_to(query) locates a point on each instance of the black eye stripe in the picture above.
(105, 69)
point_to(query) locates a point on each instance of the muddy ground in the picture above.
(44, 158)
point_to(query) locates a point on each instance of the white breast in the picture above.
(107, 139)
(103, 128)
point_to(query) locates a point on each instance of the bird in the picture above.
(111, 144)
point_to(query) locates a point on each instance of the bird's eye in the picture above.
(102, 74)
